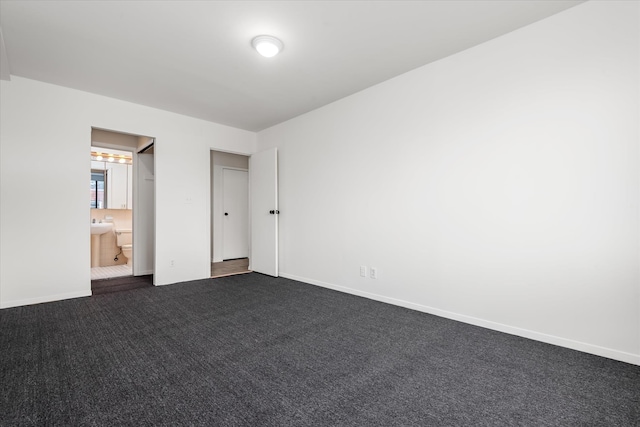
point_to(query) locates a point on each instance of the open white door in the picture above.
(144, 216)
(263, 176)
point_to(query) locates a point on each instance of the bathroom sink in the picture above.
(100, 227)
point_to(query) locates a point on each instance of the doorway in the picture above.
(111, 203)
(229, 214)
(122, 169)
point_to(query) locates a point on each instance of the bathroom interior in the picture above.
(111, 201)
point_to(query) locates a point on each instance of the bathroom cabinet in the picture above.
(111, 178)
(118, 180)
(118, 186)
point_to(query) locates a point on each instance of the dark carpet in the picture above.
(251, 350)
(117, 284)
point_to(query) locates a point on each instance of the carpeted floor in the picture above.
(118, 284)
(251, 350)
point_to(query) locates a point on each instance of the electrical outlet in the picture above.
(373, 273)
(363, 270)
(172, 263)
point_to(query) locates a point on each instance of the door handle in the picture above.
(274, 212)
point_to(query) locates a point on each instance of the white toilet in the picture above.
(124, 240)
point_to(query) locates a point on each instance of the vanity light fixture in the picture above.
(267, 46)
(121, 158)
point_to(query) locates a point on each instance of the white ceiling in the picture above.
(195, 57)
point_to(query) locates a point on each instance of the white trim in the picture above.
(48, 298)
(525, 333)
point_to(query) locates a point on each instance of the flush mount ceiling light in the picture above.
(267, 45)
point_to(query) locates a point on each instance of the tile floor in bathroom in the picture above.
(98, 273)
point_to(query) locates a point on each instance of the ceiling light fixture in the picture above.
(267, 45)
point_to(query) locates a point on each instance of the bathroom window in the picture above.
(98, 191)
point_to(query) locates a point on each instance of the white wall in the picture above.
(44, 210)
(498, 186)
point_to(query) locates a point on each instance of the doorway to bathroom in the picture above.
(122, 170)
(229, 214)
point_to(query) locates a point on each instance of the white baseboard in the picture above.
(525, 333)
(48, 298)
